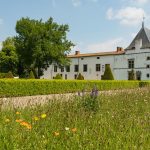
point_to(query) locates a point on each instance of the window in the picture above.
(82, 58)
(148, 66)
(98, 57)
(98, 67)
(148, 58)
(62, 69)
(131, 63)
(148, 75)
(67, 68)
(76, 68)
(84, 68)
(75, 76)
(55, 68)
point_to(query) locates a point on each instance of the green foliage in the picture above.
(43, 87)
(8, 56)
(31, 75)
(121, 123)
(80, 77)
(108, 73)
(40, 43)
(132, 75)
(9, 75)
(2, 75)
(58, 76)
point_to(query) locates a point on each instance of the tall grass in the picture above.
(121, 122)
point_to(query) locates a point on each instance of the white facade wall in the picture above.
(118, 64)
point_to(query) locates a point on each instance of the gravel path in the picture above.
(28, 101)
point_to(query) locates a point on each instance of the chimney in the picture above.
(119, 49)
(77, 52)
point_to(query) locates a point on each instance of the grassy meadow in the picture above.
(113, 120)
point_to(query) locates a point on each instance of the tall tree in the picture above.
(8, 57)
(40, 43)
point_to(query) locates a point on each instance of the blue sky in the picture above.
(95, 25)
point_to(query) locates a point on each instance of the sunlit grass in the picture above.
(122, 121)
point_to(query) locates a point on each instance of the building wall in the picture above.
(118, 64)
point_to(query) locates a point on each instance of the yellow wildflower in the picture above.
(18, 113)
(36, 118)
(56, 133)
(7, 120)
(43, 116)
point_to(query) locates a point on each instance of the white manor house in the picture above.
(92, 65)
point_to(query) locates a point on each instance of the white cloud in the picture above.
(106, 46)
(76, 3)
(127, 16)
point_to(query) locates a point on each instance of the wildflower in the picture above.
(7, 120)
(19, 120)
(56, 133)
(36, 118)
(74, 129)
(18, 113)
(66, 128)
(26, 124)
(29, 126)
(43, 116)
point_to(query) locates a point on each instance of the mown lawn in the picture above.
(114, 121)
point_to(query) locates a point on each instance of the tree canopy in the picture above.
(39, 44)
(8, 56)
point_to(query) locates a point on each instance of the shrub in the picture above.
(132, 75)
(9, 75)
(108, 73)
(21, 87)
(31, 75)
(80, 77)
(91, 103)
(2, 75)
(58, 76)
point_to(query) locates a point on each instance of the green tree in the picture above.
(39, 44)
(108, 73)
(8, 56)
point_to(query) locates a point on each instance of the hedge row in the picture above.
(13, 87)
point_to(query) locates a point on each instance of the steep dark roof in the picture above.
(143, 34)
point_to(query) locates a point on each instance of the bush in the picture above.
(58, 76)
(2, 75)
(22, 87)
(80, 77)
(31, 75)
(108, 73)
(132, 75)
(9, 75)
